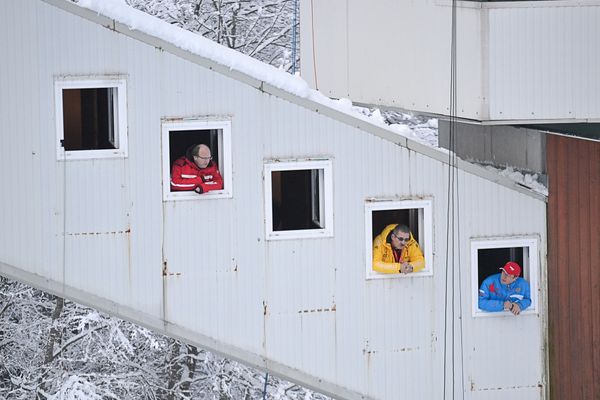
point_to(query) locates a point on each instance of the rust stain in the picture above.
(473, 389)
(368, 352)
(402, 350)
(166, 272)
(126, 232)
(318, 310)
(129, 263)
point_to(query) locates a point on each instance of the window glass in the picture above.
(398, 238)
(296, 199)
(196, 159)
(299, 199)
(488, 256)
(91, 118)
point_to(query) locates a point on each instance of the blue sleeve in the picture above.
(486, 303)
(525, 301)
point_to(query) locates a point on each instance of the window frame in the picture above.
(533, 269)
(120, 123)
(425, 228)
(325, 201)
(225, 159)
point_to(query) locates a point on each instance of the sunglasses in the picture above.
(401, 239)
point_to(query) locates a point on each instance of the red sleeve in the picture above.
(179, 183)
(215, 182)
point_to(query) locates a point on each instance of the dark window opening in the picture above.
(89, 119)
(407, 216)
(297, 199)
(181, 141)
(489, 261)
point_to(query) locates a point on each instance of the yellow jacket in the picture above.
(383, 255)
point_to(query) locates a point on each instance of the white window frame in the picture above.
(425, 238)
(225, 159)
(325, 198)
(531, 268)
(119, 114)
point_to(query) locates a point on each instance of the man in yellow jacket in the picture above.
(396, 251)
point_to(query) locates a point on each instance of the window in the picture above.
(416, 215)
(299, 199)
(91, 118)
(179, 137)
(489, 255)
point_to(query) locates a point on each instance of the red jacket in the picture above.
(185, 175)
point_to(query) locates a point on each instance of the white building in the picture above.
(517, 62)
(526, 95)
(274, 270)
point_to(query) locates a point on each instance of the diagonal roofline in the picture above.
(284, 85)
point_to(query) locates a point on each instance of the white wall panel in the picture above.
(300, 304)
(544, 61)
(516, 61)
(393, 53)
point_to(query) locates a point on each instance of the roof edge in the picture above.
(311, 104)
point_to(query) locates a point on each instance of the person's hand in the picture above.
(406, 268)
(507, 305)
(515, 309)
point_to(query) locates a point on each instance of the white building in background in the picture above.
(517, 62)
(522, 68)
(273, 270)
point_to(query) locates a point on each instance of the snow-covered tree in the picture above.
(55, 349)
(262, 29)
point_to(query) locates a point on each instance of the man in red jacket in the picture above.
(196, 171)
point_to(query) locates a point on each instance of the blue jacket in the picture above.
(493, 293)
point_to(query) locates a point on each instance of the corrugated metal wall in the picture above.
(544, 61)
(224, 283)
(517, 60)
(574, 267)
(393, 53)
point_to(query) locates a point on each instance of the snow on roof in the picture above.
(234, 60)
(197, 44)
(118, 10)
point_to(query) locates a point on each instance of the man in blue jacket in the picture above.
(505, 291)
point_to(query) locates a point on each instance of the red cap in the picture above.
(512, 268)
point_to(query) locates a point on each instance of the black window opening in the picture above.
(90, 119)
(408, 216)
(181, 141)
(297, 199)
(489, 261)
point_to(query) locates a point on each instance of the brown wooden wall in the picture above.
(574, 267)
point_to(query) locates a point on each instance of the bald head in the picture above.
(201, 154)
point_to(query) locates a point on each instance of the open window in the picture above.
(414, 214)
(299, 199)
(91, 118)
(489, 255)
(182, 135)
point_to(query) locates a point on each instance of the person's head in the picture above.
(400, 236)
(510, 272)
(201, 155)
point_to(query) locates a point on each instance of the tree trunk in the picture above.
(53, 337)
(55, 332)
(191, 368)
(173, 369)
